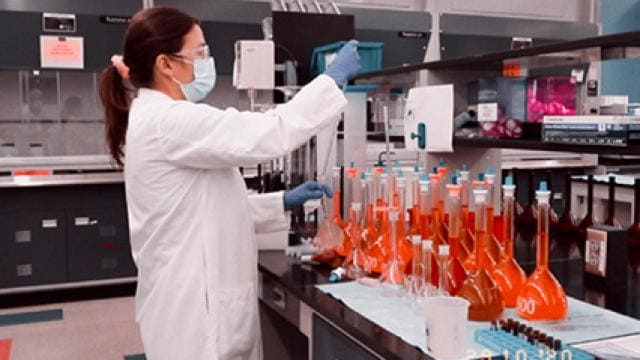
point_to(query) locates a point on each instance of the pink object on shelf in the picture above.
(550, 95)
(504, 128)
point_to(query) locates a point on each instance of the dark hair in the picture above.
(153, 31)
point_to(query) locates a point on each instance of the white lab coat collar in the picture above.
(147, 93)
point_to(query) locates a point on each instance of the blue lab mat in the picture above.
(30, 317)
(584, 323)
(512, 347)
(136, 357)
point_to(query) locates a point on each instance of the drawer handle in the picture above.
(24, 270)
(22, 236)
(279, 298)
(49, 223)
(84, 221)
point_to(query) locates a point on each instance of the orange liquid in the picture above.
(359, 255)
(542, 297)
(416, 262)
(415, 220)
(456, 273)
(510, 278)
(405, 249)
(395, 269)
(414, 217)
(464, 224)
(425, 226)
(378, 242)
(493, 246)
(508, 274)
(480, 289)
(436, 231)
(435, 269)
(345, 248)
(490, 220)
(493, 250)
(484, 295)
(470, 262)
(466, 239)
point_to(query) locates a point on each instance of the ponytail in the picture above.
(151, 32)
(115, 98)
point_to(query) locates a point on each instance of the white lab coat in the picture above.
(192, 223)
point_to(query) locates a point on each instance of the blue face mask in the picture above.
(204, 80)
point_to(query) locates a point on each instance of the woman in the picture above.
(191, 222)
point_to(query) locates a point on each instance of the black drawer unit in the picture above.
(330, 343)
(32, 248)
(98, 244)
(63, 233)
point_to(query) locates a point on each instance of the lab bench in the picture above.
(300, 321)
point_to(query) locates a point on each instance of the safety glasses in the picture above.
(189, 55)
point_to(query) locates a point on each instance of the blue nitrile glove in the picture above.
(346, 65)
(307, 191)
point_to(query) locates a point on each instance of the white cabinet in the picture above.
(386, 4)
(565, 10)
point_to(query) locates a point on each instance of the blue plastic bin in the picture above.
(370, 56)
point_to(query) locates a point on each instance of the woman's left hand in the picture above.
(307, 191)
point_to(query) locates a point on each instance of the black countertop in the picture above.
(565, 262)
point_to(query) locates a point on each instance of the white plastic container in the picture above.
(446, 326)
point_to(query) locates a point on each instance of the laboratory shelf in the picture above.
(611, 47)
(540, 145)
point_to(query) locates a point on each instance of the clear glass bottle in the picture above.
(393, 275)
(542, 297)
(508, 274)
(479, 288)
(456, 273)
(427, 267)
(465, 239)
(567, 223)
(589, 219)
(634, 230)
(611, 216)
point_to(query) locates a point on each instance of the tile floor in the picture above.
(96, 329)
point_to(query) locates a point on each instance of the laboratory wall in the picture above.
(111, 7)
(620, 77)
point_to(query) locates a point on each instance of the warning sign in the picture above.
(61, 52)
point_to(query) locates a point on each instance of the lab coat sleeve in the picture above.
(201, 136)
(268, 212)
